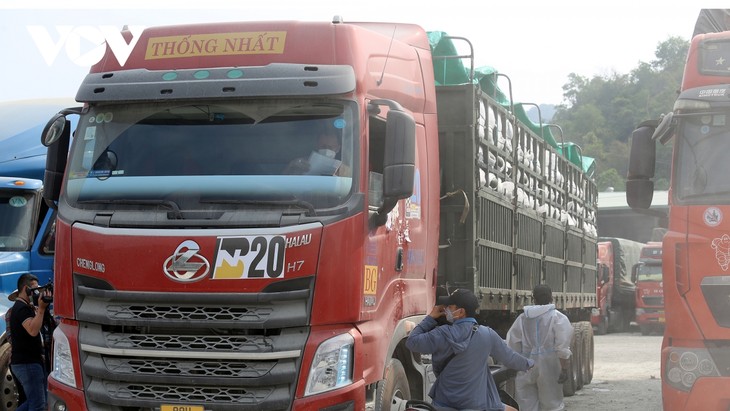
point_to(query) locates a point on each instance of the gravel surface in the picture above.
(626, 375)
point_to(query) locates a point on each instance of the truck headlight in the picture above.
(63, 367)
(332, 365)
(686, 365)
(640, 311)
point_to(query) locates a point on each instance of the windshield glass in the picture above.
(649, 272)
(16, 220)
(214, 154)
(703, 166)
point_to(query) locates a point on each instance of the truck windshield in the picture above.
(703, 167)
(16, 220)
(649, 272)
(214, 154)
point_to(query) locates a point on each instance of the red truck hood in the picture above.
(196, 260)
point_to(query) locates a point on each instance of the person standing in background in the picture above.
(543, 334)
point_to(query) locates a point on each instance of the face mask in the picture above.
(327, 152)
(449, 315)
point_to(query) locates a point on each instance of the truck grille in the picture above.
(222, 351)
(653, 301)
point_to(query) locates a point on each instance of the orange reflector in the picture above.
(19, 183)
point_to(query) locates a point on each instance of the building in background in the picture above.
(617, 219)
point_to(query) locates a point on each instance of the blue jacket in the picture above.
(466, 382)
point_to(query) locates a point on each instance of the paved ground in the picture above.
(626, 375)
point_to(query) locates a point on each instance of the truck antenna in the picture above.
(390, 46)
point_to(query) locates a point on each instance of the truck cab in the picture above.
(647, 274)
(616, 289)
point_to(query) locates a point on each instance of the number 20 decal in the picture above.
(250, 257)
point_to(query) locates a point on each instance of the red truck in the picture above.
(616, 290)
(695, 357)
(647, 275)
(194, 273)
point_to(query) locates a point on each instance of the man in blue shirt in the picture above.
(460, 354)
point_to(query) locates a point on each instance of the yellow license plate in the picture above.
(182, 408)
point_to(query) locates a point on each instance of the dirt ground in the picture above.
(626, 375)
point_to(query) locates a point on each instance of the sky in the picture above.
(47, 48)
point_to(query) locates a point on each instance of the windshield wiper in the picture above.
(148, 202)
(284, 203)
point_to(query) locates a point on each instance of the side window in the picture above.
(49, 237)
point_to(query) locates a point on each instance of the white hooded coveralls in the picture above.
(542, 334)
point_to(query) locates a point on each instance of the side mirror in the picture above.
(634, 273)
(642, 161)
(59, 136)
(399, 165)
(54, 129)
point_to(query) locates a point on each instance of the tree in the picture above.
(601, 112)
(610, 178)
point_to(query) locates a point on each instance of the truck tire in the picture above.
(570, 384)
(8, 390)
(602, 327)
(588, 352)
(393, 389)
(577, 349)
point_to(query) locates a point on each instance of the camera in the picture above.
(36, 292)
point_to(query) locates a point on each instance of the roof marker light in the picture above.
(236, 73)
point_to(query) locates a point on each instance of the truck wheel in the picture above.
(602, 327)
(588, 351)
(577, 349)
(569, 384)
(645, 330)
(8, 390)
(393, 389)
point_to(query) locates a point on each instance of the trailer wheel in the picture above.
(8, 390)
(570, 384)
(588, 351)
(577, 349)
(393, 389)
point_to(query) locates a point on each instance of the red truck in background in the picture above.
(616, 292)
(695, 357)
(647, 275)
(193, 271)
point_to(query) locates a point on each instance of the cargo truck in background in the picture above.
(695, 357)
(647, 275)
(27, 229)
(616, 290)
(194, 270)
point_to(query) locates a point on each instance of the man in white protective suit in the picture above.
(542, 334)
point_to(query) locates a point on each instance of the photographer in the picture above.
(27, 362)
